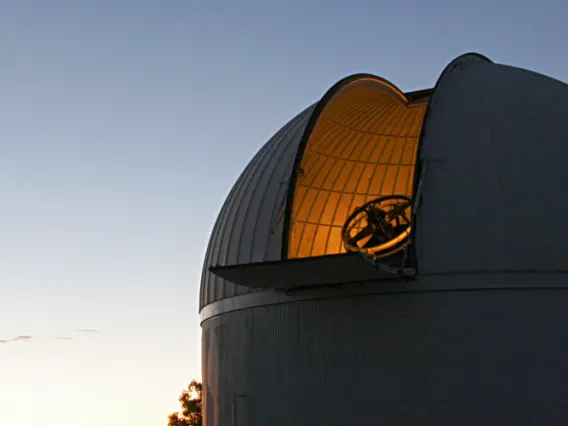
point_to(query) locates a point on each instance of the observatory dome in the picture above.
(397, 258)
(366, 138)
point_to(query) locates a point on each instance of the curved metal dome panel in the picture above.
(494, 194)
(249, 226)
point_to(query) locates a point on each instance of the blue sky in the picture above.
(122, 128)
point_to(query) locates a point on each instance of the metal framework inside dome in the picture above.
(358, 154)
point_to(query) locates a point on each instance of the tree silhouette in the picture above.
(191, 406)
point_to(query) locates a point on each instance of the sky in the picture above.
(123, 126)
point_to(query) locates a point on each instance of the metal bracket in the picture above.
(401, 271)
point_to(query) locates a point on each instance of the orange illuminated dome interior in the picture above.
(363, 146)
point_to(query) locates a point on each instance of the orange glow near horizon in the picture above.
(99, 380)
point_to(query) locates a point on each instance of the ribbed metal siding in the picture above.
(243, 231)
(437, 358)
(494, 194)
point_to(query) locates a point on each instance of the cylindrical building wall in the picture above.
(470, 357)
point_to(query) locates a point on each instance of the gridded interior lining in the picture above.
(363, 146)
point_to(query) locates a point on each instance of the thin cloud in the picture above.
(87, 330)
(64, 338)
(20, 338)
